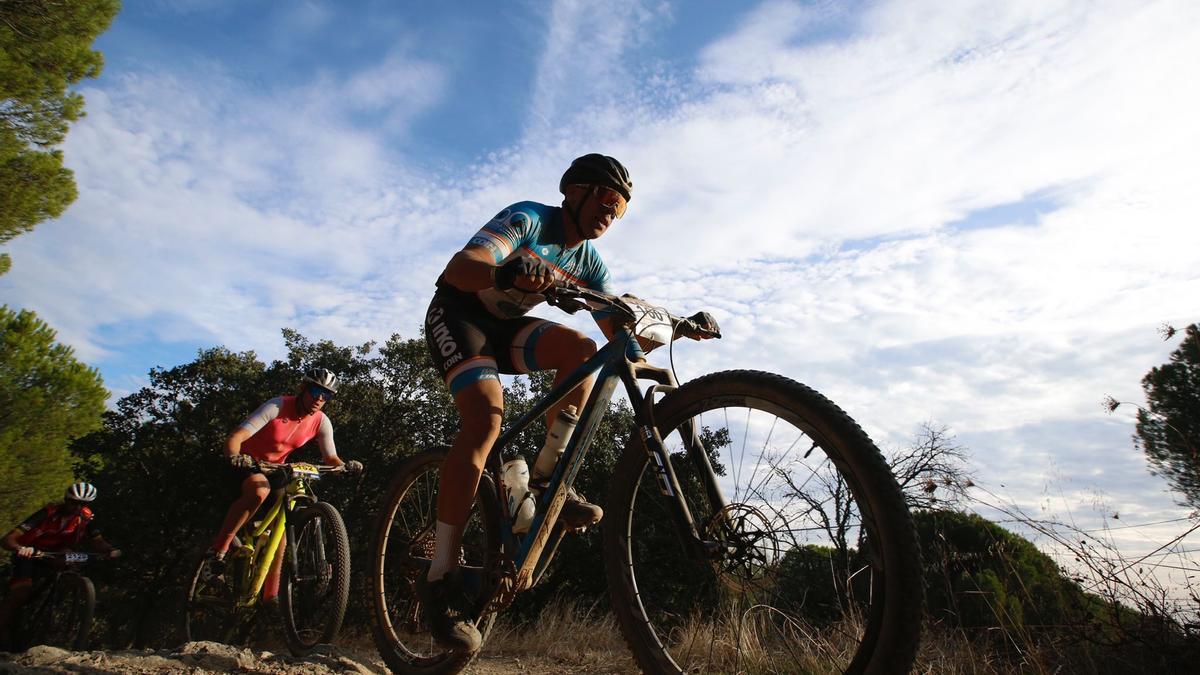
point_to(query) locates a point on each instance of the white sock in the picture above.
(447, 540)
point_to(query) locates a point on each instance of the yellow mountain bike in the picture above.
(315, 583)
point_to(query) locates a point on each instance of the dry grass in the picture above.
(569, 633)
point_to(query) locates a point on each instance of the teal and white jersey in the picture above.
(536, 229)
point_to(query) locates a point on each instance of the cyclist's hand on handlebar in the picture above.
(26, 552)
(115, 553)
(524, 273)
(353, 466)
(701, 326)
(240, 461)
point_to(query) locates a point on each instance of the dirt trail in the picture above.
(211, 657)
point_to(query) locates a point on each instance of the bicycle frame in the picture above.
(276, 523)
(621, 359)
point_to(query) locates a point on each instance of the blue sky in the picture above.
(974, 213)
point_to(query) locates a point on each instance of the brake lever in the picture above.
(698, 330)
(568, 305)
(563, 296)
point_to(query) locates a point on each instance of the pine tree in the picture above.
(45, 47)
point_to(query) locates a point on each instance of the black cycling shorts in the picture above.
(469, 344)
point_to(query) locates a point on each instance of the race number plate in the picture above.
(75, 557)
(305, 470)
(653, 323)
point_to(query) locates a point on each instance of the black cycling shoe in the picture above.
(446, 612)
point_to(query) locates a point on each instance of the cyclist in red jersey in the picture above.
(55, 528)
(270, 434)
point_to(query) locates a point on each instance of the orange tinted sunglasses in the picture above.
(609, 198)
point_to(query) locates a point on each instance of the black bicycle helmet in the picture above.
(597, 169)
(322, 378)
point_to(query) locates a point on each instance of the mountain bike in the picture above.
(752, 525)
(315, 579)
(59, 611)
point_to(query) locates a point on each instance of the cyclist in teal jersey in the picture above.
(476, 328)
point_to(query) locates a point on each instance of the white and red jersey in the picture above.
(278, 428)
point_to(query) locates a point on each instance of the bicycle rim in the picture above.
(818, 566)
(404, 546)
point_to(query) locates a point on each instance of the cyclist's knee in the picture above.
(566, 350)
(256, 488)
(585, 348)
(481, 410)
(482, 427)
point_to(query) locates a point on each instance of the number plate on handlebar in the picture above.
(73, 557)
(653, 323)
(305, 470)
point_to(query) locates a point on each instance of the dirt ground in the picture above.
(211, 657)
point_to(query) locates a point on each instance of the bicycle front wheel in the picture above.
(316, 583)
(812, 562)
(403, 548)
(66, 618)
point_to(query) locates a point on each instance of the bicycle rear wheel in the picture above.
(403, 547)
(814, 565)
(65, 620)
(210, 606)
(316, 583)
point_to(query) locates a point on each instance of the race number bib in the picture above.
(73, 557)
(303, 470)
(653, 323)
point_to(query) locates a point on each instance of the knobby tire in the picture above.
(314, 603)
(64, 619)
(770, 603)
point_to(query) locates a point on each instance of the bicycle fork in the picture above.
(697, 547)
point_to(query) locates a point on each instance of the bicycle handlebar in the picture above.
(268, 467)
(71, 557)
(571, 298)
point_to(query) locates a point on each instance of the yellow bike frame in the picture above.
(273, 526)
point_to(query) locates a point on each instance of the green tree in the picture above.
(1168, 429)
(45, 47)
(979, 576)
(47, 398)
